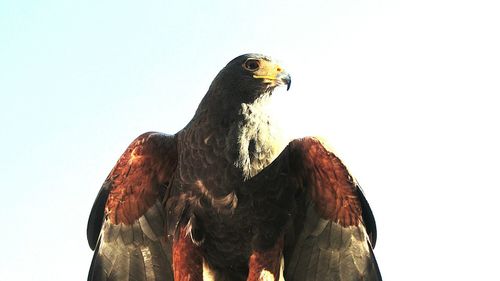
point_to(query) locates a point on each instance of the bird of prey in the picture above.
(220, 200)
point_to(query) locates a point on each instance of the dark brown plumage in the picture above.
(222, 200)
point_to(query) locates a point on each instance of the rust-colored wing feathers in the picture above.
(129, 229)
(332, 242)
(331, 222)
(140, 177)
(331, 187)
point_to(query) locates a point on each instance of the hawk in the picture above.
(220, 200)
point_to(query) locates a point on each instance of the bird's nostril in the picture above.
(279, 69)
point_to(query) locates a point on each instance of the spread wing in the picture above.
(126, 227)
(332, 231)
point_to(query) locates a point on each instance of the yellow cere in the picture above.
(265, 77)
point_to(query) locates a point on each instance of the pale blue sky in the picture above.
(406, 92)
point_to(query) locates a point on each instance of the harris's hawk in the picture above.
(220, 201)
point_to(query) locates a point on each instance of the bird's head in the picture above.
(250, 76)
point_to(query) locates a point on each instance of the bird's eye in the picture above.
(251, 64)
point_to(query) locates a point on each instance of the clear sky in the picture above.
(406, 92)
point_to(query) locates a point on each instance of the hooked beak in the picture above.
(285, 79)
(272, 73)
(282, 78)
